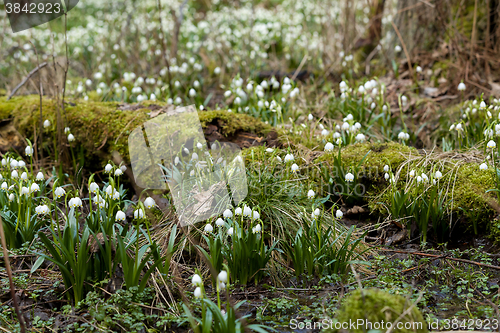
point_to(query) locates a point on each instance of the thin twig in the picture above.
(40, 91)
(436, 256)
(30, 74)
(404, 48)
(9, 273)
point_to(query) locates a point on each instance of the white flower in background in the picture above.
(217, 70)
(208, 228)
(255, 215)
(482, 105)
(438, 175)
(419, 179)
(14, 174)
(310, 117)
(191, 174)
(192, 92)
(25, 190)
(311, 194)
(491, 144)
(75, 202)
(120, 216)
(279, 159)
(361, 90)
(24, 176)
(238, 211)
(108, 168)
(149, 203)
(59, 192)
(138, 213)
(349, 177)
(459, 127)
(34, 188)
(222, 277)
(329, 146)
(289, 158)
(21, 164)
(419, 69)
(11, 197)
(403, 136)
(219, 222)
(46, 123)
(345, 126)
(386, 168)
(198, 293)
(295, 167)
(412, 173)
(384, 108)
(29, 151)
(196, 280)
(237, 101)
(227, 213)
(230, 231)
(93, 188)
(14, 164)
(42, 210)
(483, 166)
(386, 176)
(116, 195)
(317, 212)
(4, 186)
(247, 211)
(227, 93)
(397, 48)
(360, 137)
(257, 229)
(424, 177)
(269, 150)
(118, 172)
(488, 132)
(324, 132)
(39, 176)
(110, 190)
(461, 86)
(339, 214)
(404, 100)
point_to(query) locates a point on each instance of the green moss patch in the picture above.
(376, 307)
(105, 126)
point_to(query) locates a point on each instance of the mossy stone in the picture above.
(377, 306)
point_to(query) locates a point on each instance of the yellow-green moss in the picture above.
(465, 184)
(103, 126)
(230, 123)
(377, 306)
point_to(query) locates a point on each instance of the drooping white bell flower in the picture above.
(227, 213)
(138, 213)
(39, 176)
(349, 177)
(120, 216)
(59, 192)
(29, 150)
(149, 203)
(329, 146)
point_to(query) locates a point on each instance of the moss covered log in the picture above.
(105, 126)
